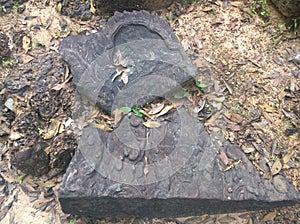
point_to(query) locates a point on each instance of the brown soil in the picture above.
(253, 89)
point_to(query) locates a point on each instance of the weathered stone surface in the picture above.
(135, 44)
(121, 5)
(289, 8)
(181, 177)
(168, 171)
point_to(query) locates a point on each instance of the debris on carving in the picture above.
(156, 108)
(102, 126)
(152, 124)
(233, 165)
(146, 169)
(163, 111)
(223, 157)
(118, 114)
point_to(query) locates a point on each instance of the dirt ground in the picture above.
(251, 94)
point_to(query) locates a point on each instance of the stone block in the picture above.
(175, 172)
(172, 170)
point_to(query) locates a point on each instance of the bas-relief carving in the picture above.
(192, 172)
(139, 42)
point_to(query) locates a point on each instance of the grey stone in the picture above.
(289, 8)
(137, 45)
(183, 177)
(168, 171)
(121, 5)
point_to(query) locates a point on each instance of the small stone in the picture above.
(295, 73)
(10, 104)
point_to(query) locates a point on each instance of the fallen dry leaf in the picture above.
(228, 87)
(223, 157)
(26, 43)
(234, 117)
(146, 169)
(212, 97)
(50, 134)
(151, 124)
(124, 78)
(294, 179)
(207, 9)
(26, 58)
(118, 116)
(190, 8)
(233, 165)
(47, 184)
(145, 114)
(286, 159)
(123, 71)
(276, 167)
(58, 86)
(47, 150)
(92, 8)
(267, 116)
(56, 127)
(267, 108)
(210, 60)
(164, 111)
(212, 119)
(101, 126)
(237, 4)
(290, 115)
(15, 136)
(251, 70)
(278, 61)
(58, 7)
(242, 99)
(248, 149)
(156, 108)
(234, 127)
(258, 167)
(269, 217)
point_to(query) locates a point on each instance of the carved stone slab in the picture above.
(133, 45)
(172, 170)
(181, 177)
(120, 5)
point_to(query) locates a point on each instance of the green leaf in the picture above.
(200, 85)
(125, 109)
(41, 131)
(21, 178)
(137, 112)
(72, 222)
